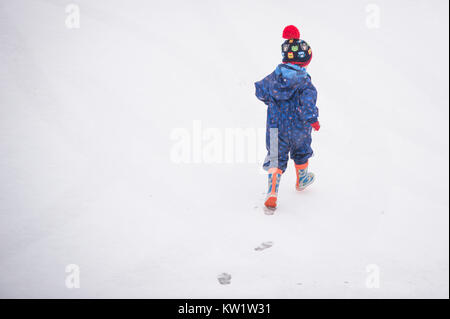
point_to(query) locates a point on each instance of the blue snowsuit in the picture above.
(291, 100)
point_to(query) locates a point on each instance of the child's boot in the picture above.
(304, 179)
(274, 183)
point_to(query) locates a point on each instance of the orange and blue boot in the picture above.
(304, 179)
(274, 183)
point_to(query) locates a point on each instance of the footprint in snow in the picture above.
(224, 279)
(269, 211)
(264, 246)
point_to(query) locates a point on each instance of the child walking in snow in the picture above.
(291, 114)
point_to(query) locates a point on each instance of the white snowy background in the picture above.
(87, 176)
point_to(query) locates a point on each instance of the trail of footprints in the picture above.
(225, 278)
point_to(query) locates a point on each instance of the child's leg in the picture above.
(304, 179)
(274, 183)
(301, 152)
(276, 162)
(277, 145)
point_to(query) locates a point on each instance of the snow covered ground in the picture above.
(90, 119)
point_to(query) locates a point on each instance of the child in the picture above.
(291, 114)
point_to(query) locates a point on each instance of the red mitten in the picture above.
(316, 126)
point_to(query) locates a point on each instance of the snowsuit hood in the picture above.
(285, 81)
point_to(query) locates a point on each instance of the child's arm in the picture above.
(261, 91)
(308, 108)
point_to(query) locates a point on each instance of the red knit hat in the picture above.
(294, 50)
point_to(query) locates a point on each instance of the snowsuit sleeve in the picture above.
(308, 98)
(262, 91)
